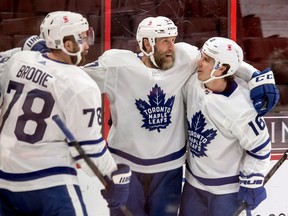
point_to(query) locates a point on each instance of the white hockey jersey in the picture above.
(33, 151)
(146, 107)
(225, 136)
(4, 57)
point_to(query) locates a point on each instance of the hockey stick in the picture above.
(266, 179)
(71, 139)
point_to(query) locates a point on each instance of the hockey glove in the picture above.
(252, 190)
(35, 43)
(118, 189)
(263, 91)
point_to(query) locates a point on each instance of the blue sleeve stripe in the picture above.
(260, 147)
(147, 162)
(214, 181)
(259, 156)
(89, 142)
(18, 177)
(95, 155)
(92, 142)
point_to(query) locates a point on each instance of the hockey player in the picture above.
(147, 110)
(146, 104)
(147, 113)
(228, 147)
(37, 171)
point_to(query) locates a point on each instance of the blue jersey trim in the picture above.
(95, 155)
(230, 90)
(88, 142)
(260, 157)
(260, 147)
(92, 64)
(148, 162)
(214, 181)
(253, 152)
(37, 174)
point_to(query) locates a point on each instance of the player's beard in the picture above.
(162, 62)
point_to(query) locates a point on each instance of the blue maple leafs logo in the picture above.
(157, 113)
(198, 138)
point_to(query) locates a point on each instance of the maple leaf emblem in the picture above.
(157, 113)
(198, 137)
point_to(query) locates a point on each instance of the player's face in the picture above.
(85, 48)
(164, 52)
(205, 66)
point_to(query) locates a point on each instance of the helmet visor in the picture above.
(90, 36)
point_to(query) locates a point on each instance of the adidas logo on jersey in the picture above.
(42, 62)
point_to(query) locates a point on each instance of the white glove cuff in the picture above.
(251, 182)
(123, 178)
(31, 42)
(261, 79)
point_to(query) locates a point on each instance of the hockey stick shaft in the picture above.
(71, 139)
(266, 179)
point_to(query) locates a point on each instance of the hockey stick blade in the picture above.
(71, 139)
(266, 179)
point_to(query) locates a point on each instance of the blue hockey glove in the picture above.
(263, 91)
(252, 190)
(118, 189)
(35, 43)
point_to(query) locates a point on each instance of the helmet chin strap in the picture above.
(79, 57)
(153, 61)
(151, 55)
(77, 54)
(212, 77)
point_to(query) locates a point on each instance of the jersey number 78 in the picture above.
(28, 113)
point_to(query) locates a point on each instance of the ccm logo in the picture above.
(264, 76)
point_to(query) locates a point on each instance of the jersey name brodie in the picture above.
(33, 74)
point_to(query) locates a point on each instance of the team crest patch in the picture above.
(199, 138)
(157, 113)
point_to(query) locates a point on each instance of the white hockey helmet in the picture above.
(223, 51)
(152, 28)
(59, 24)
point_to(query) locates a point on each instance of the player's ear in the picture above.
(68, 44)
(147, 45)
(224, 68)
